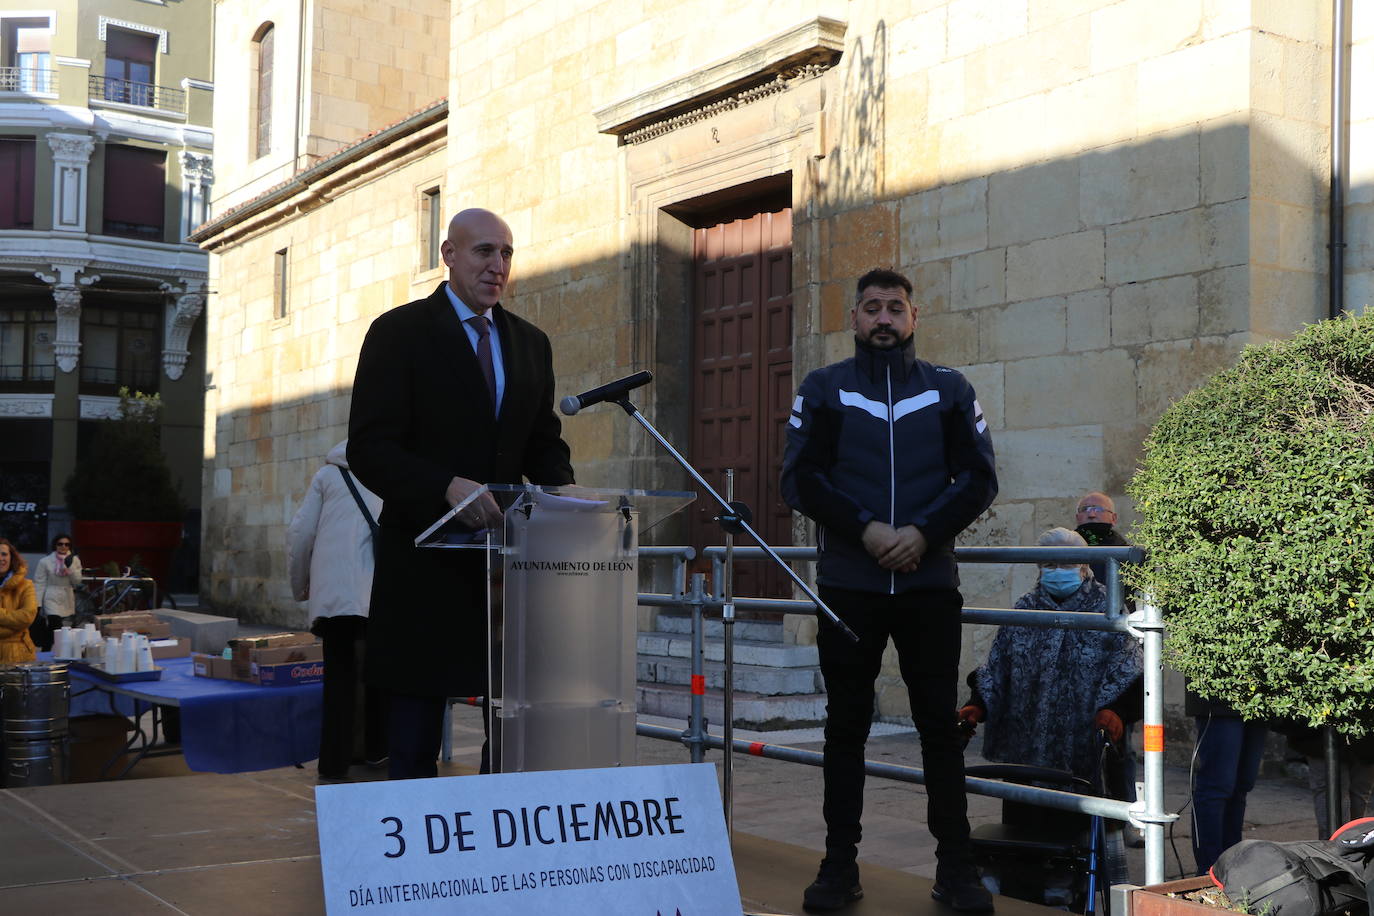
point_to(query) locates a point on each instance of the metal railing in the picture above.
(1146, 624)
(26, 79)
(144, 95)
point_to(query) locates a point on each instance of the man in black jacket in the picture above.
(891, 457)
(451, 392)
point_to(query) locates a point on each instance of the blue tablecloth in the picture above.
(226, 726)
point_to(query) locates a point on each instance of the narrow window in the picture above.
(119, 347)
(129, 60)
(26, 346)
(135, 192)
(431, 226)
(262, 127)
(279, 281)
(16, 182)
(32, 43)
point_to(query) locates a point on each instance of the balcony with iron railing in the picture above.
(27, 79)
(142, 95)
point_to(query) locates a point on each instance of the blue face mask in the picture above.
(1061, 583)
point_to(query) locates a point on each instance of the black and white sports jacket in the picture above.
(889, 437)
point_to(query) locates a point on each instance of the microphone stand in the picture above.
(734, 519)
(629, 408)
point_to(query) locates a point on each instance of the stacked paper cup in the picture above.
(112, 655)
(128, 653)
(91, 639)
(144, 652)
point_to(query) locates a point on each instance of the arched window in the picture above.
(263, 55)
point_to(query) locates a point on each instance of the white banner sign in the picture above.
(639, 841)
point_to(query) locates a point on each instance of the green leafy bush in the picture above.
(1256, 495)
(123, 476)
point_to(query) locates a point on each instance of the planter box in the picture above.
(1154, 899)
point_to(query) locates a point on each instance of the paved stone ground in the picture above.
(782, 801)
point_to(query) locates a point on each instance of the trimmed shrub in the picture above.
(1256, 494)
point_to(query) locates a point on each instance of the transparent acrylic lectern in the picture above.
(562, 577)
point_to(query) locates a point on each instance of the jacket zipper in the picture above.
(891, 475)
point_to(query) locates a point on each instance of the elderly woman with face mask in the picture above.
(18, 607)
(1045, 692)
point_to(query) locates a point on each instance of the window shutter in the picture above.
(131, 46)
(135, 187)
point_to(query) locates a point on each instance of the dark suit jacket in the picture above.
(420, 416)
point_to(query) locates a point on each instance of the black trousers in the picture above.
(924, 626)
(343, 664)
(417, 735)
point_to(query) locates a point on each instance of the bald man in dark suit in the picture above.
(431, 421)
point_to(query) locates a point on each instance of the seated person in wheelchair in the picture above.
(1046, 693)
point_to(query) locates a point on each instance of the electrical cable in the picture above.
(1192, 787)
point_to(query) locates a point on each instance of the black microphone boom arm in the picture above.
(611, 391)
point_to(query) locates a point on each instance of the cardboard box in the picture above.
(246, 651)
(98, 745)
(270, 640)
(136, 621)
(212, 666)
(170, 648)
(278, 655)
(290, 674)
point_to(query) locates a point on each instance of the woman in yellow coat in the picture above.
(18, 607)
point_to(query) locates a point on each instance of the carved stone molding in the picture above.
(197, 175)
(66, 294)
(104, 23)
(802, 52)
(197, 165)
(96, 407)
(71, 149)
(26, 405)
(186, 306)
(71, 154)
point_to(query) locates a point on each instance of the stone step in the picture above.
(764, 653)
(765, 681)
(761, 713)
(757, 630)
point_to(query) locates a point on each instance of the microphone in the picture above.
(608, 392)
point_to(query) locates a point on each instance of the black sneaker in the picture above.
(836, 886)
(960, 887)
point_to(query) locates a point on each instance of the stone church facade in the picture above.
(1099, 204)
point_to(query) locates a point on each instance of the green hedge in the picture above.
(1256, 498)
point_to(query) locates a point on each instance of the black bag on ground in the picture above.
(1306, 878)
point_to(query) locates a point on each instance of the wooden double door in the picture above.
(742, 380)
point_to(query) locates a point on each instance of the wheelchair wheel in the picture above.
(1112, 866)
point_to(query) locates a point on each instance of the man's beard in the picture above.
(899, 343)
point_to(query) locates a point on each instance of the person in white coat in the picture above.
(56, 576)
(330, 563)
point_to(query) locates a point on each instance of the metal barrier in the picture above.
(1145, 624)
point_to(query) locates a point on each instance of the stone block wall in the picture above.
(366, 66)
(282, 385)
